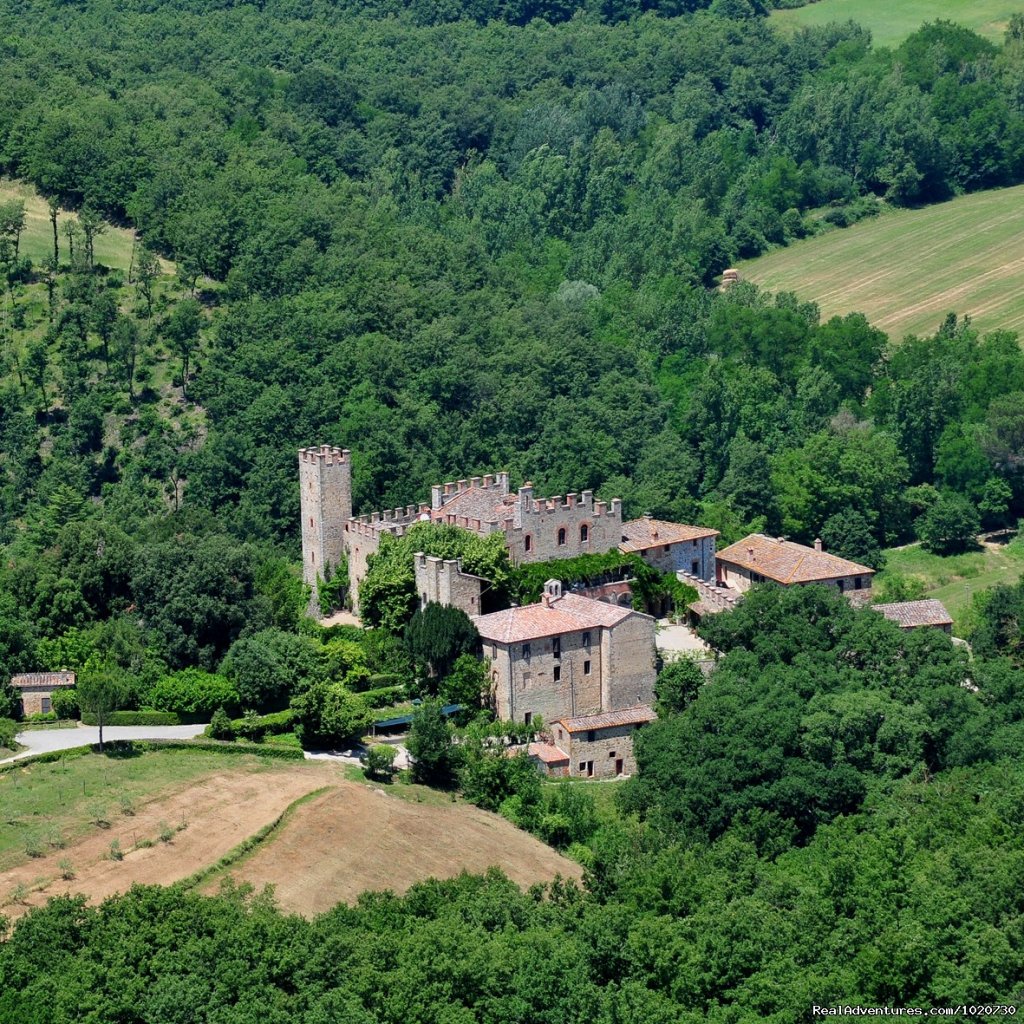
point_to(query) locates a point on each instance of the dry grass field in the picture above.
(339, 837)
(891, 21)
(907, 268)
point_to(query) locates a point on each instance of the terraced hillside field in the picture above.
(891, 21)
(906, 269)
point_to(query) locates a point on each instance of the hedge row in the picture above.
(384, 696)
(138, 718)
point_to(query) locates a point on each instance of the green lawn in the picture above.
(49, 804)
(891, 21)
(907, 268)
(955, 579)
(113, 247)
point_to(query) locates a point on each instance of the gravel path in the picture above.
(42, 741)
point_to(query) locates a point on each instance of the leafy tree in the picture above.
(677, 686)
(438, 635)
(193, 692)
(434, 758)
(101, 690)
(220, 727)
(267, 668)
(466, 683)
(329, 713)
(848, 535)
(949, 526)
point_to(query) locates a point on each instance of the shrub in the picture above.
(383, 697)
(127, 805)
(8, 729)
(65, 703)
(116, 853)
(220, 727)
(67, 872)
(330, 713)
(193, 692)
(255, 727)
(166, 832)
(380, 762)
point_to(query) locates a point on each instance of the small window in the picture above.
(583, 767)
(310, 520)
(586, 639)
(527, 717)
(586, 668)
(839, 584)
(561, 537)
(858, 583)
(590, 735)
(695, 568)
(47, 705)
(666, 547)
(556, 647)
(312, 557)
(526, 651)
(558, 673)
(584, 533)
(611, 753)
(527, 543)
(559, 733)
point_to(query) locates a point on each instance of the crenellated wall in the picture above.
(556, 528)
(442, 581)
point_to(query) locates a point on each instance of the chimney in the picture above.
(750, 554)
(781, 540)
(817, 543)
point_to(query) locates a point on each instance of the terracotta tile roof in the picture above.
(52, 679)
(910, 614)
(788, 562)
(641, 534)
(610, 719)
(548, 754)
(567, 614)
(476, 503)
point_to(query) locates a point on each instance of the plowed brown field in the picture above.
(341, 842)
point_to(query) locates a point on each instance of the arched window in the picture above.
(584, 533)
(561, 536)
(527, 543)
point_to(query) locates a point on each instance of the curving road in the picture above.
(42, 741)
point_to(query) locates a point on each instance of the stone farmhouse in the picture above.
(37, 688)
(758, 558)
(567, 655)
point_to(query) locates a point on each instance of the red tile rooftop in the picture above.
(785, 561)
(567, 614)
(910, 614)
(610, 719)
(641, 534)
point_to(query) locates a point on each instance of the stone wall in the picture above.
(696, 557)
(526, 684)
(628, 659)
(557, 528)
(32, 698)
(742, 579)
(440, 581)
(606, 748)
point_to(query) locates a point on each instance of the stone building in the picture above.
(671, 547)
(600, 746)
(442, 581)
(534, 529)
(567, 656)
(36, 689)
(758, 558)
(927, 614)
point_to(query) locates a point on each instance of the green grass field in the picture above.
(891, 21)
(907, 268)
(54, 803)
(955, 579)
(113, 247)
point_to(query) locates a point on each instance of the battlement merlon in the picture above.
(441, 494)
(327, 454)
(528, 505)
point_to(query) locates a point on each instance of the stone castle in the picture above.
(534, 529)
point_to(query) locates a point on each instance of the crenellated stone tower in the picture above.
(325, 480)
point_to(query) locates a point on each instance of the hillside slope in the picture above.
(891, 21)
(908, 268)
